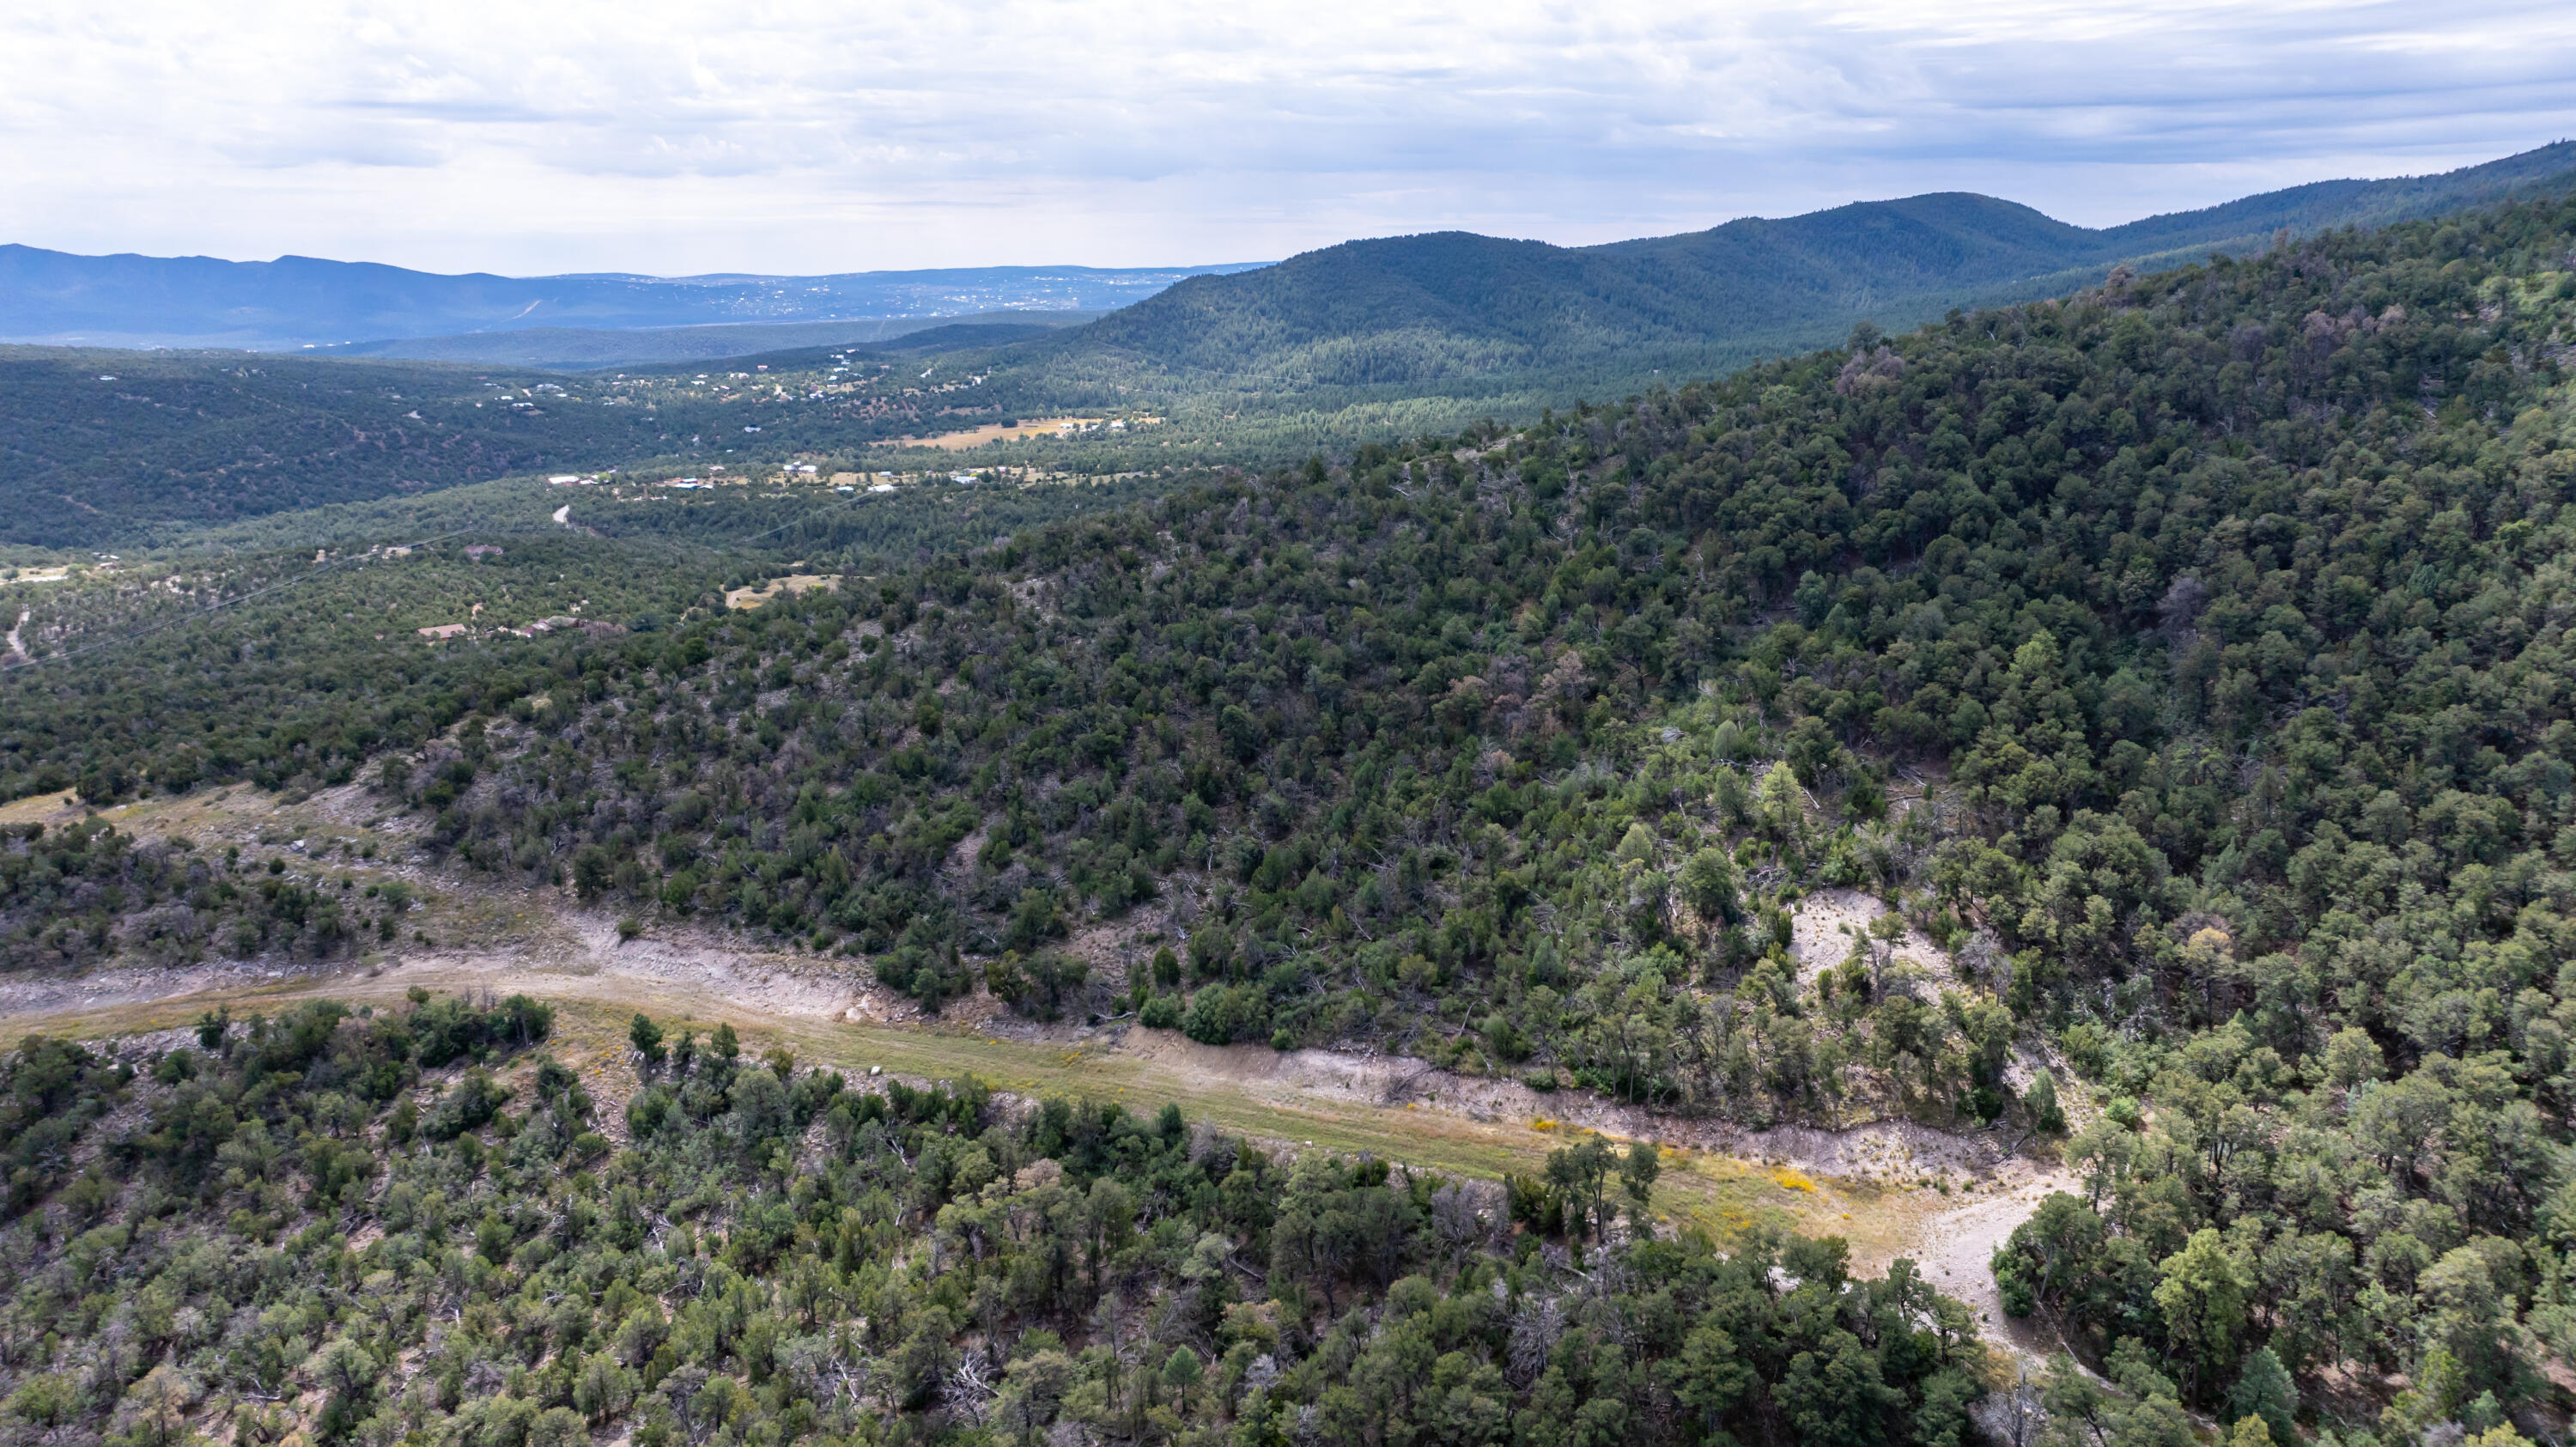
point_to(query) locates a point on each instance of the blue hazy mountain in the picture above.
(129, 300)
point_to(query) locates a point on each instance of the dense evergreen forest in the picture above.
(288, 670)
(107, 448)
(2185, 656)
(1487, 325)
(414, 1227)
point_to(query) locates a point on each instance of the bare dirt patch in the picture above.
(1956, 1250)
(993, 432)
(585, 959)
(38, 997)
(793, 583)
(1824, 925)
(1109, 950)
(1879, 1154)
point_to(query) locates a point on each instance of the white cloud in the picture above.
(795, 135)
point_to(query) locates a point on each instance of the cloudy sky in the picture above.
(787, 136)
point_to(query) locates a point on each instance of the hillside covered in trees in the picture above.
(1377, 339)
(414, 1227)
(167, 451)
(1460, 314)
(2186, 656)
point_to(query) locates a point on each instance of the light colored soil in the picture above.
(1880, 1153)
(792, 583)
(991, 432)
(585, 960)
(1957, 1247)
(1824, 924)
(38, 999)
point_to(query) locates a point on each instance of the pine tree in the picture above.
(2045, 1113)
(2265, 1394)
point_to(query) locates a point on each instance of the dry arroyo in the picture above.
(1892, 1188)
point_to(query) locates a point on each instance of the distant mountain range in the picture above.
(1448, 309)
(54, 297)
(1369, 339)
(593, 348)
(1454, 312)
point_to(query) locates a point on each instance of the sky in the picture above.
(792, 137)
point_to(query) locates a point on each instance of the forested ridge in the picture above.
(412, 1227)
(2184, 656)
(1367, 340)
(113, 448)
(2093, 644)
(288, 670)
(2219, 608)
(1453, 314)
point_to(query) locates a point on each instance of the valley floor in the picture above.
(1891, 1188)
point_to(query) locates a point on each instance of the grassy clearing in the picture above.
(1044, 427)
(37, 808)
(1715, 1193)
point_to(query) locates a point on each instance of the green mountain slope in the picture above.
(1368, 339)
(2179, 668)
(1450, 311)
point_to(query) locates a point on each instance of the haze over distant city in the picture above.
(805, 137)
